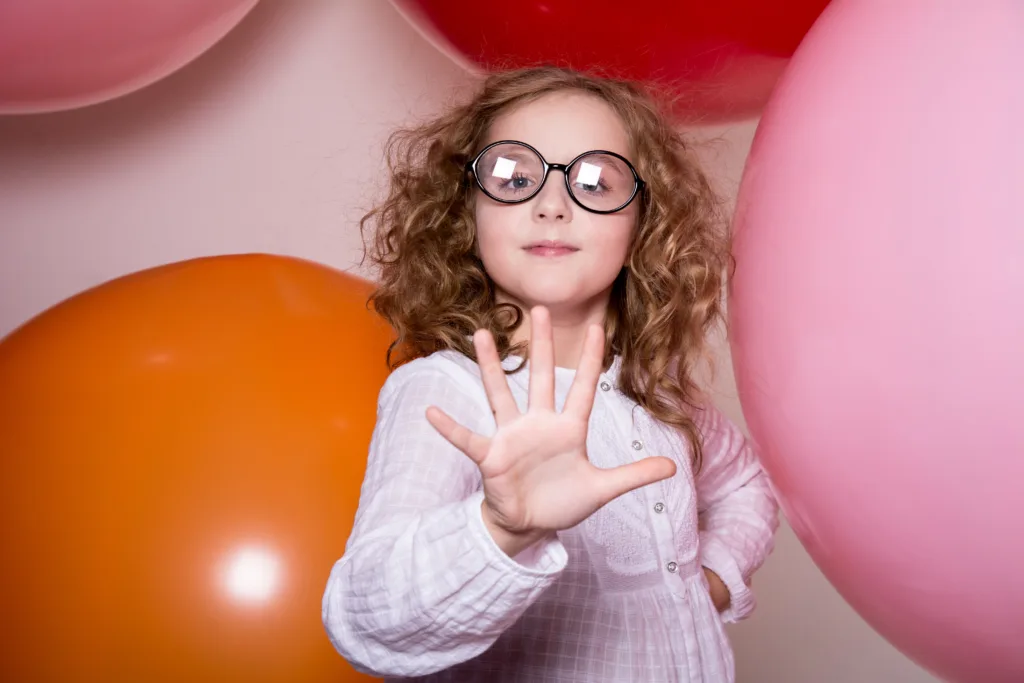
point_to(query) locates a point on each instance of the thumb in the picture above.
(625, 478)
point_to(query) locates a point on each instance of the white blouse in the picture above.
(423, 591)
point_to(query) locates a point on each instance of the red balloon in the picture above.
(725, 54)
(181, 452)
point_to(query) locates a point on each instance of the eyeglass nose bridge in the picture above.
(548, 168)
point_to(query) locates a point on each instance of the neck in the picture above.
(569, 326)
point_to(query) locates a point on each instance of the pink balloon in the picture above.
(61, 54)
(878, 319)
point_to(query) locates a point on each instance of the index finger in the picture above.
(503, 404)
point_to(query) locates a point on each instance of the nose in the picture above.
(553, 202)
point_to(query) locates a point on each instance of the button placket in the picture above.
(664, 532)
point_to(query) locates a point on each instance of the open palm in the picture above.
(535, 470)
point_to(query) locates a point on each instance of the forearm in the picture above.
(436, 579)
(736, 538)
(744, 524)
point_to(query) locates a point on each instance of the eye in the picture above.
(518, 183)
(594, 174)
(595, 187)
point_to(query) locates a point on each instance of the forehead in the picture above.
(563, 125)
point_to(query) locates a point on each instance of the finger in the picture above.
(581, 394)
(467, 441)
(542, 361)
(503, 404)
(625, 478)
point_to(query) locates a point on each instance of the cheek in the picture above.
(614, 239)
(495, 234)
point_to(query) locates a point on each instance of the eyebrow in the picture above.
(516, 156)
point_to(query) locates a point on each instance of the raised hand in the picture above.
(537, 478)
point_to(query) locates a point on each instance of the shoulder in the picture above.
(705, 414)
(710, 421)
(439, 372)
(711, 418)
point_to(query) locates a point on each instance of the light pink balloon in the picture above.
(878, 319)
(61, 54)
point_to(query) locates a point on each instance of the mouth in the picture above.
(550, 248)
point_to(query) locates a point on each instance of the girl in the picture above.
(547, 498)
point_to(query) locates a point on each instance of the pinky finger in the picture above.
(467, 441)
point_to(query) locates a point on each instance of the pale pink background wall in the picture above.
(271, 142)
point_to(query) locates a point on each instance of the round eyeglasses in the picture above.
(511, 172)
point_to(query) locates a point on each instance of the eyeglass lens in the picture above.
(512, 172)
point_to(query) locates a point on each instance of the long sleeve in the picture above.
(737, 509)
(422, 586)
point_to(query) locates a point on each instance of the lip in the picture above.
(550, 248)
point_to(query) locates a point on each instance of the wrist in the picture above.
(511, 542)
(719, 591)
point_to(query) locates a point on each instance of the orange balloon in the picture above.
(181, 452)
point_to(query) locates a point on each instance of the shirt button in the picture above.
(605, 386)
(659, 507)
(637, 445)
(672, 567)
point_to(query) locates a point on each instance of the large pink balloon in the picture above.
(60, 54)
(878, 319)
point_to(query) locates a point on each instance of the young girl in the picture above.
(547, 498)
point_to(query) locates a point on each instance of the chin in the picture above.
(553, 298)
(555, 289)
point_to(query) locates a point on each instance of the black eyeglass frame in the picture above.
(638, 182)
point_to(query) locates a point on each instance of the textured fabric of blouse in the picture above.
(423, 592)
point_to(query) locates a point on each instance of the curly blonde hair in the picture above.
(433, 288)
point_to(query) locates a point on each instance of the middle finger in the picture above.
(542, 360)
